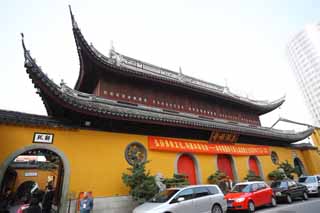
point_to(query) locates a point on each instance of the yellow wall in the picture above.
(316, 137)
(313, 156)
(97, 158)
(41, 179)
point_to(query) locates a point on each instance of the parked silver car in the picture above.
(190, 199)
(312, 183)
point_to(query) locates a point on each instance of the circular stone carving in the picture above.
(274, 157)
(135, 153)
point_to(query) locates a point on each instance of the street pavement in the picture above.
(309, 206)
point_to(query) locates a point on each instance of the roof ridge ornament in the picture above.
(74, 23)
(112, 51)
(27, 57)
(112, 46)
(180, 75)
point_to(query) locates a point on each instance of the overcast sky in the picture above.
(238, 43)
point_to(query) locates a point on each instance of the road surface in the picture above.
(298, 206)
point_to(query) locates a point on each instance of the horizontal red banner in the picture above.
(178, 145)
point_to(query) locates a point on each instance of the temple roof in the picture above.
(61, 98)
(125, 65)
(20, 118)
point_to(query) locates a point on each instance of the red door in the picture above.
(253, 165)
(186, 166)
(224, 165)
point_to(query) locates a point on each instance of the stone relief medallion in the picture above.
(135, 153)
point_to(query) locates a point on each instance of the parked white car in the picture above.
(312, 183)
(190, 199)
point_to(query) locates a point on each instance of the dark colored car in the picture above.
(287, 190)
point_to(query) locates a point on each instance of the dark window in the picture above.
(201, 191)
(262, 186)
(241, 188)
(187, 194)
(307, 179)
(163, 196)
(254, 187)
(292, 183)
(274, 157)
(279, 184)
(213, 190)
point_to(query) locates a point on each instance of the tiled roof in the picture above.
(88, 104)
(123, 64)
(20, 118)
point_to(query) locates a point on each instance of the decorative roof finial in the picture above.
(112, 49)
(74, 23)
(22, 40)
(62, 83)
(180, 75)
(111, 45)
(27, 58)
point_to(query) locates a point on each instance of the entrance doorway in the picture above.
(28, 174)
(187, 166)
(225, 164)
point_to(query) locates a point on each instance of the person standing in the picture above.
(86, 204)
(33, 206)
(47, 199)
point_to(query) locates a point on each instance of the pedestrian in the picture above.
(47, 199)
(33, 206)
(5, 201)
(86, 204)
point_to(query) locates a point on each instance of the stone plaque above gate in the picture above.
(223, 137)
(46, 138)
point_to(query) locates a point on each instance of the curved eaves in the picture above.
(260, 107)
(104, 108)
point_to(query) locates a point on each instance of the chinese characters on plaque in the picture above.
(43, 138)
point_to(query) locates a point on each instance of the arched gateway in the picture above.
(225, 164)
(64, 186)
(187, 166)
(254, 166)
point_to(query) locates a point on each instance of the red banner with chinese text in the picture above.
(180, 145)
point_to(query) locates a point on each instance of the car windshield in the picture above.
(164, 196)
(241, 188)
(309, 179)
(279, 184)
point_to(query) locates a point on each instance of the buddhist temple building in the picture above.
(123, 110)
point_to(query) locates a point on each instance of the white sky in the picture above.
(238, 42)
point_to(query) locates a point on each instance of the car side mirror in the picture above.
(180, 199)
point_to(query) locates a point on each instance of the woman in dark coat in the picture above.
(47, 200)
(33, 207)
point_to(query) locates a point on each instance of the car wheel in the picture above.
(289, 199)
(305, 196)
(216, 209)
(273, 202)
(319, 192)
(251, 207)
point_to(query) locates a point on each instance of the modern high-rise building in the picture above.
(304, 56)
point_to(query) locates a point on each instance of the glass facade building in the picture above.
(303, 52)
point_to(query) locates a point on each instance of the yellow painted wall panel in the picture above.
(97, 158)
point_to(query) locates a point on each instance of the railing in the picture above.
(131, 63)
